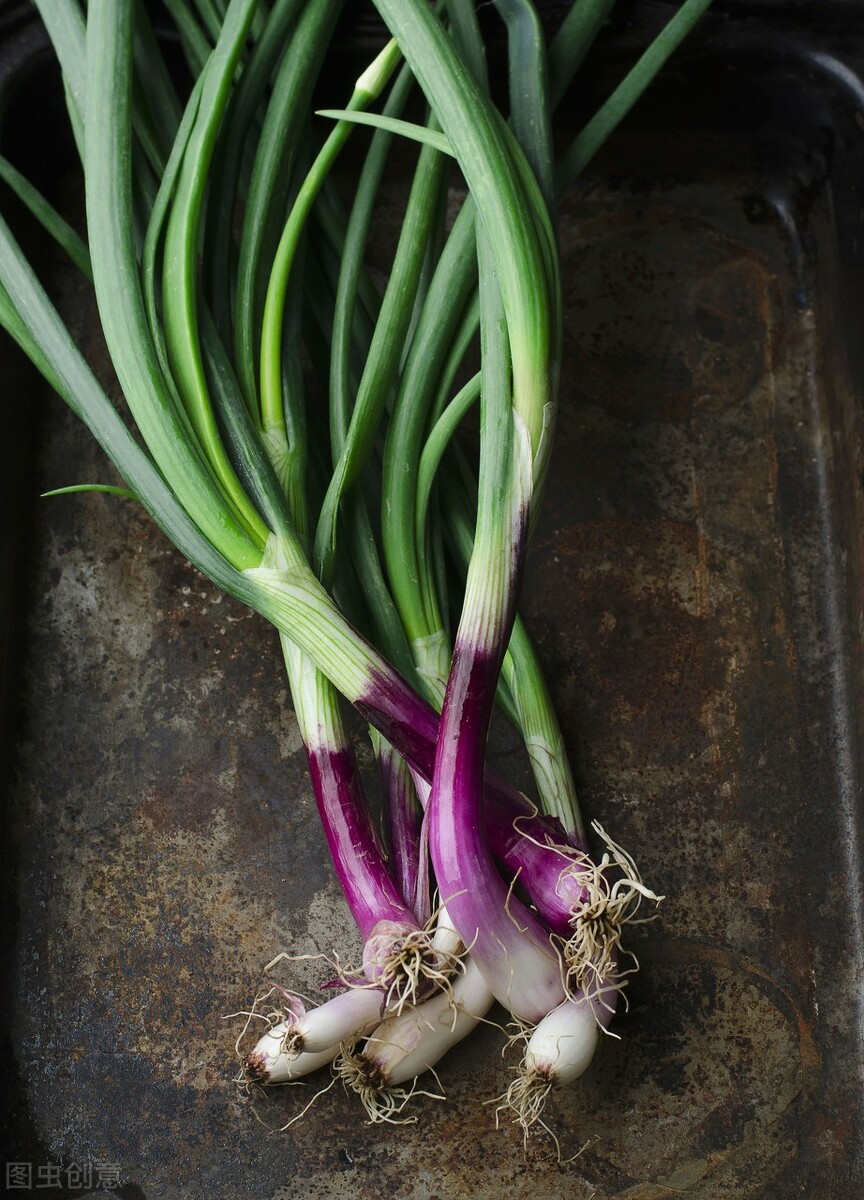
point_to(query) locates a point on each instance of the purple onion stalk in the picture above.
(409, 861)
(508, 942)
(399, 959)
(529, 845)
(402, 961)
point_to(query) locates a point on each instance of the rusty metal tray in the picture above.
(696, 592)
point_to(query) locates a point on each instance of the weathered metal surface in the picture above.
(693, 592)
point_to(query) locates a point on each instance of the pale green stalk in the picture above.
(238, 143)
(180, 269)
(48, 217)
(491, 170)
(115, 272)
(609, 115)
(367, 88)
(384, 354)
(270, 184)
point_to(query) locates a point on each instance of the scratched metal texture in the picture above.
(695, 591)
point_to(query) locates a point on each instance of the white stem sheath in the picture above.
(423, 787)
(403, 1047)
(316, 1034)
(354, 1013)
(563, 1044)
(445, 939)
(268, 1065)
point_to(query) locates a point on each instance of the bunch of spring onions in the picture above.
(291, 427)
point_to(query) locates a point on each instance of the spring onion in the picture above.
(233, 289)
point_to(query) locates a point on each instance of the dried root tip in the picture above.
(384, 1104)
(291, 1039)
(255, 1068)
(613, 894)
(270, 1059)
(264, 1068)
(282, 1027)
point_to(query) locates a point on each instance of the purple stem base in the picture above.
(532, 847)
(369, 889)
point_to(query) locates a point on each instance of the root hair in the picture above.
(413, 969)
(614, 894)
(273, 1016)
(383, 1103)
(524, 1100)
(298, 1116)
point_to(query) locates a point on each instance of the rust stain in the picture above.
(722, 956)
